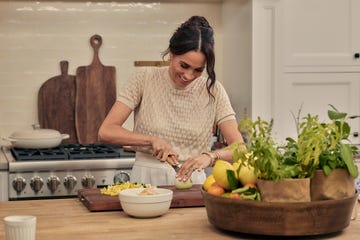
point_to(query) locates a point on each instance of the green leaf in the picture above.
(233, 182)
(346, 155)
(225, 195)
(248, 197)
(345, 130)
(327, 170)
(240, 190)
(258, 196)
(336, 115)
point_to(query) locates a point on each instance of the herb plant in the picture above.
(324, 146)
(340, 153)
(319, 145)
(262, 152)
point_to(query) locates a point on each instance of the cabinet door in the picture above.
(312, 93)
(303, 58)
(321, 33)
(318, 68)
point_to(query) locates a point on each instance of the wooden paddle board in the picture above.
(96, 93)
(56, 103)
(95, 201)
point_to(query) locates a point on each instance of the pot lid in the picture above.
(36, 134)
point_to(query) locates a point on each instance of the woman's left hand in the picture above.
(197, 163)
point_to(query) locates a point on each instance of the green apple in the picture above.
(183, 185)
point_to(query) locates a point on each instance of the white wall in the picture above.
(35, 36)
(237, 54)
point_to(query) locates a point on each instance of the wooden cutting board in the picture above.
(96, 93)
(56, 103)
(95, 201)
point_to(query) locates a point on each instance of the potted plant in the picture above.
(325, 155)
(336, 171)
(280, 177)
(321, 157)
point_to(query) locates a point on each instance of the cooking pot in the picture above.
(36, 138)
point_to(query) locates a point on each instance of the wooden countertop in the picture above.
(69, 219)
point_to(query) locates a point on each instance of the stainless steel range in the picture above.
(62, 171)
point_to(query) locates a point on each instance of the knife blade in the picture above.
(176, 167)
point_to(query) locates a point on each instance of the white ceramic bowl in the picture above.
(145, 206)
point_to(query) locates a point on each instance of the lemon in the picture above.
(208, 182)
(246, 174)
(220, 173)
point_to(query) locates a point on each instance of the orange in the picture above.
(234, 195)
(216, 190)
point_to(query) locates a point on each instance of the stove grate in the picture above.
(21, 154)
(70, 152)
(90, 151)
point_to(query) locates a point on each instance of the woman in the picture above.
(175, 109)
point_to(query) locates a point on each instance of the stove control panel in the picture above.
(70, 182)
(88, 181)
(37, 185)
(19, 184)
(53, 182)
(121, 176)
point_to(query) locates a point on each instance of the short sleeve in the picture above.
(223, 108)
(130, 93)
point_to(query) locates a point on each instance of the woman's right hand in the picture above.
(163, 152)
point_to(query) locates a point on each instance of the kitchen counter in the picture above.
(69, 219)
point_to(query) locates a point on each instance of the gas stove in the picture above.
(62, 171)
(71, 151)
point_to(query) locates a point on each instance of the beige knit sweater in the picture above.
(183, 117)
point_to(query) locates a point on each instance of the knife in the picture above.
(147, 149)
(176, 166)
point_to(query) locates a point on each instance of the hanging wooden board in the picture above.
(151, 63)
(96, 93)
(56, 103)
(95, 201)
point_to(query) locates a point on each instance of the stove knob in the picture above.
(88, 181)
(70, 182)
(19, 184)
(36, 183)
(53, 183)
(121, 177)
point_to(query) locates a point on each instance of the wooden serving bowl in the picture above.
(279, 219)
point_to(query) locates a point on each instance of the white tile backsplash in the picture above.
(36, 35)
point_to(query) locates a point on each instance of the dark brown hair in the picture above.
(195, 34)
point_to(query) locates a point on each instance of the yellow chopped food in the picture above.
(148, 191)
(113, 190)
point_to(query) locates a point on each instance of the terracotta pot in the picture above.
(338, 184)
(285, 190)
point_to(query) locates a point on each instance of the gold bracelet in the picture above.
(212, 156)
(218, 155)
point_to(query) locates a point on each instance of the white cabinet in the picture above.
(321, 33)
(303, 55)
